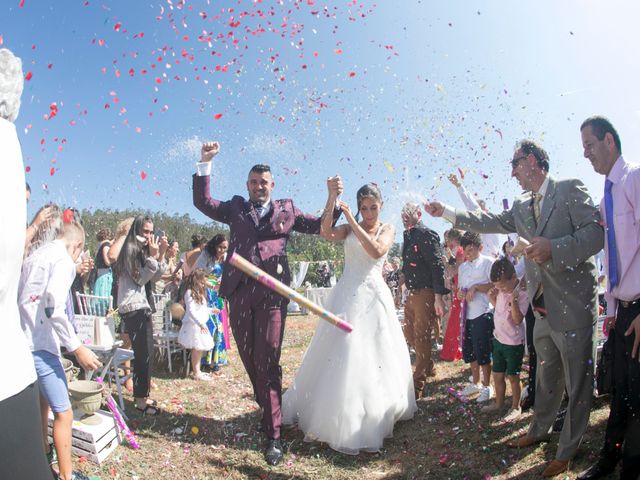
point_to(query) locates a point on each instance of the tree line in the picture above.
(311, 248)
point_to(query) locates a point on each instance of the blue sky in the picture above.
(398, 93)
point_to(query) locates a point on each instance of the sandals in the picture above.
(149, 409)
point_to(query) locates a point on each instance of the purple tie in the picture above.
(611, 235)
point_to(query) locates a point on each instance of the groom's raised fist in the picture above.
(209, 150)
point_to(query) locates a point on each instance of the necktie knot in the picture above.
(259, 208)
(607, 185)
(536, 199)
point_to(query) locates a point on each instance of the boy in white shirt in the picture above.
(474, 280)
(511, 303)
(46, 277)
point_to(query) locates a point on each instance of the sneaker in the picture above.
(486, 394)
(512, 415)
(470, 389)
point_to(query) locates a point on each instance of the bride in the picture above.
(353, 387)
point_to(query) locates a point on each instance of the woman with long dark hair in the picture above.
(137, 268)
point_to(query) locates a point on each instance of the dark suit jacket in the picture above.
(422, 259)
(261, 241)
(572, 223)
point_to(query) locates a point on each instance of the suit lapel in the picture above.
(526, 209)
(547, 205)
(250, 211)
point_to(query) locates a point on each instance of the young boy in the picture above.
(511, 303)
(46, 277)
(474, 281)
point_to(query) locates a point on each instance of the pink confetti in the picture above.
(138, 130)
(27, 169)
(217, 116)
(21, 3)
(143, 174)
(28, 76)
(52, 171)
(117, 26)
(352, 74)
(53, 111)
(157, 194)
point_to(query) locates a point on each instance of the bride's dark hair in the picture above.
(368, 190)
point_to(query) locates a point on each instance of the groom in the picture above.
(259, 231)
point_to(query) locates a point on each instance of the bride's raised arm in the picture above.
(327, 230)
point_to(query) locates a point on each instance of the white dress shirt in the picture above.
(476, 272)
(491, 242)
(47, 275)
(17, 371)
(449, 212)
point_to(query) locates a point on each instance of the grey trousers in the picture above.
(564, 362)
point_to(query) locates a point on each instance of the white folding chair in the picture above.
(165, 333)
(94, 304)
(94, 308)
(112, 368)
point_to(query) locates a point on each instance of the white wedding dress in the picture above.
(353, 387)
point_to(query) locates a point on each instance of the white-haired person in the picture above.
(19, 405)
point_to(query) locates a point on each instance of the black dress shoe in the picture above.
(604, 466)
(274, 452)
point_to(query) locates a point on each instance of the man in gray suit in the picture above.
(562, 225)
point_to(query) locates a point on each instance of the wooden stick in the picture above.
(280, 288)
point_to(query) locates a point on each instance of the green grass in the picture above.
(446, 439)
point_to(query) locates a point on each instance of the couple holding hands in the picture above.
(351, 388)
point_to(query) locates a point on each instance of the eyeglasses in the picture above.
(516, 161)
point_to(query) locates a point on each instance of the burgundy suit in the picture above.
(257, 315)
